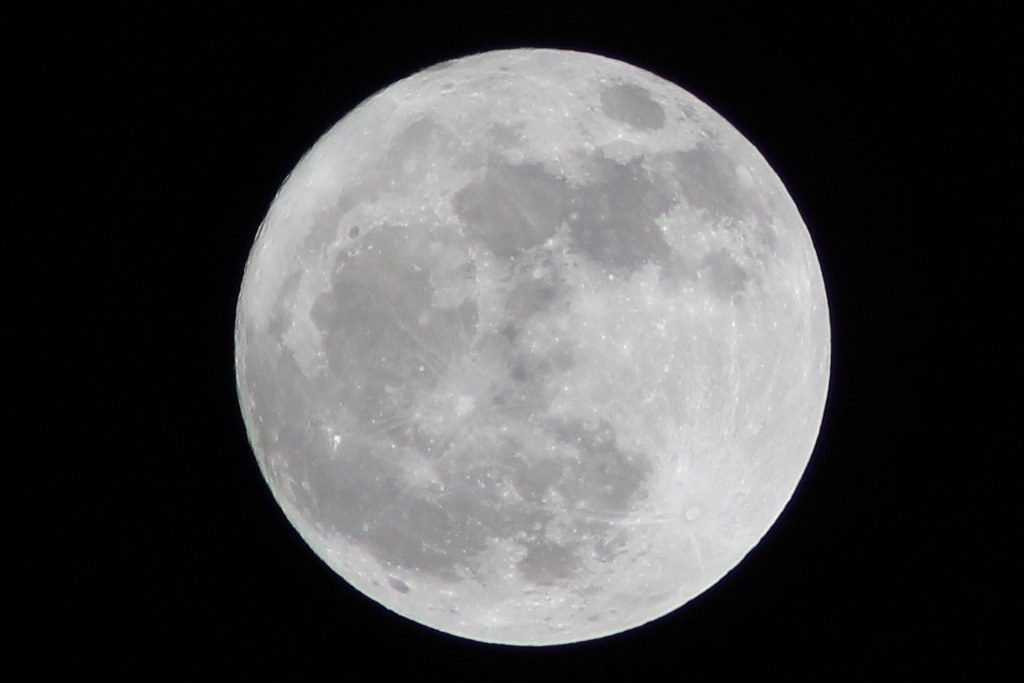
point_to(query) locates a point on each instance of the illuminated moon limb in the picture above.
(532, 347)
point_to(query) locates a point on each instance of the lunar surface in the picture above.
(532, 347)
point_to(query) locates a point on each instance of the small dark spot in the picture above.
(510, 332)
(353, 231)
(517, 370)
(399, 586)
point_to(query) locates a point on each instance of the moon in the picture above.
(532, 347)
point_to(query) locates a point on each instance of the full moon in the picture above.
(532, 347)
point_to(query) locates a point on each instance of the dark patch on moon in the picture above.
(411, 154)
(707, 177)
(607, 548)
(725, 277)
(361, 491)
(400, 586)
(359, 488)
(372, 339)
(362, 494)
(546, 562)
(505, 137)
(633, 106)
(613, 219)
(604, 478)
(513, 207)
(533, 296)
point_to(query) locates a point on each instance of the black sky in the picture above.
(149, 145)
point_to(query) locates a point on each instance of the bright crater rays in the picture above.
(532, 347)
